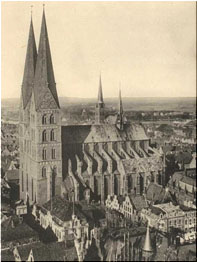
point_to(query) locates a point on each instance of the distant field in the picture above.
(186, 104)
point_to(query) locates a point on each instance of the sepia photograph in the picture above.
(98, 131)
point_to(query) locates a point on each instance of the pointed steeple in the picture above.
(100, 92)
(120, 103)
(147, 244)
(44, 84)
(120, 113)
(30, 65)
(99, 112)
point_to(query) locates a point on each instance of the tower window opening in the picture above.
(44, 119)
(52, 119)
(44, 172)
(44, 136)
(52, 135)
(44, 154)
(53, 153)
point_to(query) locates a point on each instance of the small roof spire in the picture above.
(120, 101)
(147, 244)
(100, 91)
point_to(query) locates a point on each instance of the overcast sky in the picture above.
(150, 47)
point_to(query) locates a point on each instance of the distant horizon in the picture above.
(109, 97)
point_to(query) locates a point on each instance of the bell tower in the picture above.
(43, 148)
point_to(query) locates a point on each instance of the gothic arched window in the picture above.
(44, 154)
(44, 119)
(52, 135)
(44, 136)
(52, 119)
(44, 172)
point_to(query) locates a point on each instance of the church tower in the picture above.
(42, 144)
(24, 112)
(100, 106)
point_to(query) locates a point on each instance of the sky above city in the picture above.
(147, 48)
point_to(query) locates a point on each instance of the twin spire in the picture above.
(100, 107)
(30, 65)
(38, 74)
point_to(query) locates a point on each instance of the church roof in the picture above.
(102, 133)
(29, 70)
(44, 84)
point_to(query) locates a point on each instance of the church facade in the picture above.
(81, 161)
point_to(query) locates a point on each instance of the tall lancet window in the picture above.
(44, 119)
(44, 154)
(44, 136)
(44, 172)
(53, 153)
(52, 135)
(52, 119)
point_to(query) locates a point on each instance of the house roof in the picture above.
(19, 232)
(63, 209)
(55, 251)
(155, 192)
(183, 157)
(138, 201)
(7, 255)
(188, 180)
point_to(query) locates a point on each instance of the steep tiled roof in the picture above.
(63, 209)
(102, 133)
(155, 192)
(138, 201)
(7, 255)
(30, 64)
(53, 252)
(44, 83)
(75, 134)
(184, 157)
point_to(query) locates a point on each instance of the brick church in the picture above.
(81, 161)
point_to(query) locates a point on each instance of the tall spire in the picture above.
(120, 113)
(120, 103)
(30, 65)
(99, 112)
(100, 92)
(45, 86)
